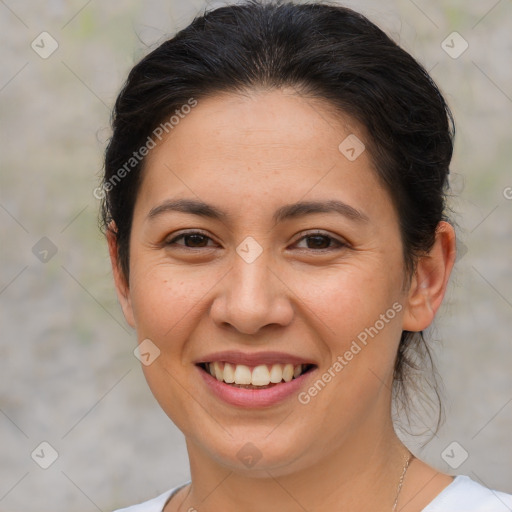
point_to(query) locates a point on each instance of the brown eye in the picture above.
(192, 240)
(321, 241)
(318, 242)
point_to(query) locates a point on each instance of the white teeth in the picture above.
(229, 373)
(276, 373)
(242, 374)
(288, 372)
(261, 375)
(218, 371)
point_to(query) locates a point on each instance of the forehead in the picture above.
(279, 121)
(275, 143)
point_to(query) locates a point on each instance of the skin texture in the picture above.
(248, 155)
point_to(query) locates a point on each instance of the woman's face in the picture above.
(320, 287)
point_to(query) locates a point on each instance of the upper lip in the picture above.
(253, 359)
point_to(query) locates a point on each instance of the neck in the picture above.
(362, 473)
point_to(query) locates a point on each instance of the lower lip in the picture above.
(254, 398)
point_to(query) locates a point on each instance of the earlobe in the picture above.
(428, 285)
(121, 284)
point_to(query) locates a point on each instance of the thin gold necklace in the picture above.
(401, 481)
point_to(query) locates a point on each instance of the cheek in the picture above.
(168, 299)
(351, 298)
(361, 311)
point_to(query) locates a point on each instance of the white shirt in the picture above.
(462, 495)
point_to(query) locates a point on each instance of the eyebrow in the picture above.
(289, 211)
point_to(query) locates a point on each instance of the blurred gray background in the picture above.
(69, 377)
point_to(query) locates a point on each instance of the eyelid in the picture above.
(168, 240)
(301, 236)
(305, 234)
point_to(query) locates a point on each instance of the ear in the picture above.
(120, 281)
(429, 281)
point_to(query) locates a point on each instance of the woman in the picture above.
(274, 207)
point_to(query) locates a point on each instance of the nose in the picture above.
(252, 296)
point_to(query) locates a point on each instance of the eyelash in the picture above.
(339, 243)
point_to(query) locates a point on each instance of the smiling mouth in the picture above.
(258, 377)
